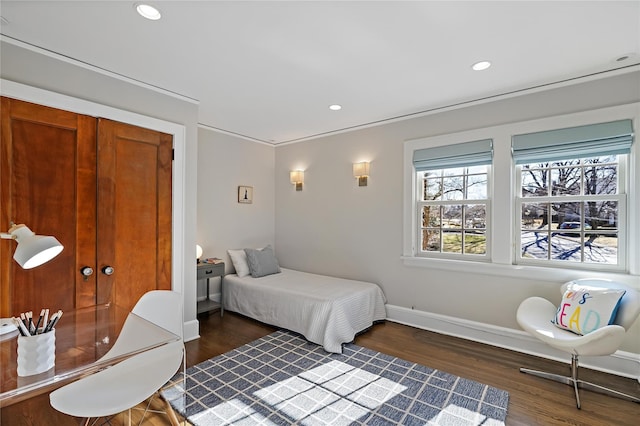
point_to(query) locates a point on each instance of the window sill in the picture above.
(517, 271)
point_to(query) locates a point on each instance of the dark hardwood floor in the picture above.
(533, 401)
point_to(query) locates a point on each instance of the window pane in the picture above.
(601, 248)
(452, 216)
(477, 187)
(431, 217)
(535, 182)
(601, 179)
(535, 216)
(534, 245)
(452, 188)
(601, 214)
(565, 163)
(477, 170)
(567, 215)
(433, 189)
(475, 216)
(566, 181)
(451, 241)
(458, 171)
(475, 242)
(566, 247)
(430, 240)
(601, 160)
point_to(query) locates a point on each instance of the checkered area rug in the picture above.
(281, 379)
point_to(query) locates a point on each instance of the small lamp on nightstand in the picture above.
(198, 253)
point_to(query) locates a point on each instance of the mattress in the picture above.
(326, 310)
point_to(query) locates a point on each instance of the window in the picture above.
(525, 201)
(453, 200)
(571, 202)
(453, 210)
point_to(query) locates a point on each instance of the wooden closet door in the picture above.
(134, 212)
(47, 181)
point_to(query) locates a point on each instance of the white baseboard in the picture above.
(625, 364)
(191, 330)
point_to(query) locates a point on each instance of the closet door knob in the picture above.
(86, 271)
(108, 270)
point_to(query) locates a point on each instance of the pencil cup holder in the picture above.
(36, 354)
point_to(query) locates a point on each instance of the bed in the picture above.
(326, 310)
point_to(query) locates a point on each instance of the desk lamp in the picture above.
(33, 250)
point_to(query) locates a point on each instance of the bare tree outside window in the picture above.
(569, 210)
(453, 208)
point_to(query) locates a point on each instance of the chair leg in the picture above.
(574, 377)
(173, 419)
(579, 384)
(607, 391)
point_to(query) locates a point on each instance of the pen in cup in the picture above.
(21, 327)
(46, 319)
(39, 320)
(30, 319)
(55, 322)
(28, 327)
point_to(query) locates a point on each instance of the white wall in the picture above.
(335, 227)
(224, 163)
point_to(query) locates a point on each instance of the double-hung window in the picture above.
(571, 205)
(452, 203)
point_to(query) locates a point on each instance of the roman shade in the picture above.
(466, 154)
(592, 140)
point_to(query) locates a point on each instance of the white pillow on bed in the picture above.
(262, 262)
(239, 260)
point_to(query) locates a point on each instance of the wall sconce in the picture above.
(297, 178)
(33, 250)
(361, 172)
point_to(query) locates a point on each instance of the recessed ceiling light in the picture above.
(482, 65)
(335, 107)
(148, 11)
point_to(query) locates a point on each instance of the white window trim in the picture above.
(502, 196)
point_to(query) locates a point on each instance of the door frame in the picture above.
(39, 96)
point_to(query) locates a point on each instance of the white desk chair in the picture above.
(120, 387)
(136, 379)
(161, 307)
(534, 316)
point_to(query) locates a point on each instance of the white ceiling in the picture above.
(269, 70)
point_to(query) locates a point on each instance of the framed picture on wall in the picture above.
(245, 194)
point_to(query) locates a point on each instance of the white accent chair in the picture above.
(136, 379)
(535, 314)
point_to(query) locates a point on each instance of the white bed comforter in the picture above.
(325, 310)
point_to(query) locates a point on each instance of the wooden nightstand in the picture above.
(205, 272)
